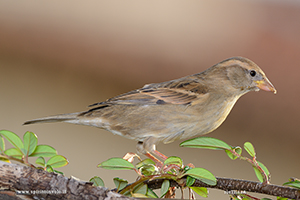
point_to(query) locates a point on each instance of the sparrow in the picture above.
(174, 110)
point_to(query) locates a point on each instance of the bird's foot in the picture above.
(166, 167)
(159, 163)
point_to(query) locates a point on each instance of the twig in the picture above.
(228, 184)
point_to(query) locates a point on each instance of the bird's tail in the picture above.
(54, 118)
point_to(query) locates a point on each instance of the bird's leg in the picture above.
(160, 163)
(157, 161)
(147, 147)
(162, 156)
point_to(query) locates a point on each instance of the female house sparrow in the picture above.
(178, 109)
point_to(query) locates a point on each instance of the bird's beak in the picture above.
(265, 85)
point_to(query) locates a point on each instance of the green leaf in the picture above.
(230, 155)
(148, 170)
(258, 172)
(249, 148)
(14, 139)
(294, 184)
(13, 152)
(59, 172)
(164, 188)
(2, 144)
(237, 149)
(147, 167)
(30, 142)
(151, 194)
(44, 151)
(202, 174)
(40, 161)
(49, 168)
(57, 161)
(4, 159)
(138, 195)
(141, 189)
(206, 143)
(173, 160)
(189, 181)
(296, 180)
(186, 168)
(202, 191)
(97, 181)
(147, 161)
(120, 183)
(282, 198)
(264, 168)
(116, 164)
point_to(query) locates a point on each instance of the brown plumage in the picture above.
(179, 109)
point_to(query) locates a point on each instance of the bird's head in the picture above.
(244, 75)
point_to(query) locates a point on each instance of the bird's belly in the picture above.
(168, 124)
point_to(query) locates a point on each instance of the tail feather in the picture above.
(54, 118)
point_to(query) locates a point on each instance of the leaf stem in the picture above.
(254, 163)
(25, 162)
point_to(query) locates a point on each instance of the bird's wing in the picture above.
(180, 91)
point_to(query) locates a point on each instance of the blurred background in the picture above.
(59, 57)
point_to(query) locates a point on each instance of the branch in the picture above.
(21, 180)
(228, 184)
(24, 180)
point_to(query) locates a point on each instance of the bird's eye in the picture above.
(252, 73)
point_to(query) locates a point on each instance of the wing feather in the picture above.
(181, 91)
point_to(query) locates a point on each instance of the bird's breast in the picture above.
(204, 119)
